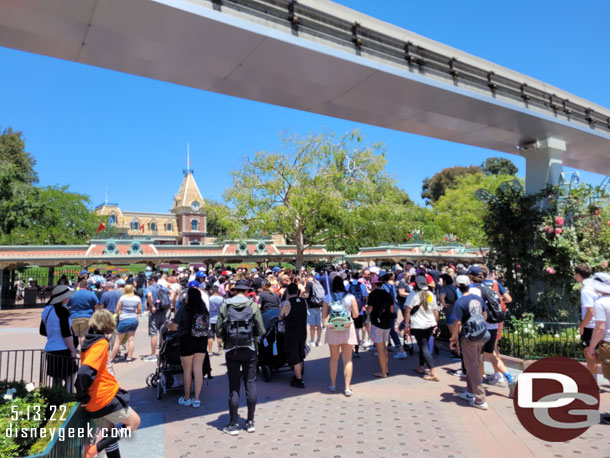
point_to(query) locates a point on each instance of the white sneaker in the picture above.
(466, 396)
(400, 355)
(312, 343)
(497, 381)
(482, 405)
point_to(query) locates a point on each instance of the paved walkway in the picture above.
(402, 415)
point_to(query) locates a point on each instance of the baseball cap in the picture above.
(421, 282)
(462, 280)
(84, 272)
(199, 275)
(120, 282)
(276, 269)
(193, 284)
(475, 270)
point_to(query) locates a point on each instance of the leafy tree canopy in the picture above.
(13, 154)
(318, 190)
(498, 166)
(460, 213)
(435, 187)
(37, 215)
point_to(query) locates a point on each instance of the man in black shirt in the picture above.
(381, 309)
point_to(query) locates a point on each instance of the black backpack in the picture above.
(495, 314)
(162, 301)
(239, 327)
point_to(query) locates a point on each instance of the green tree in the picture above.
(219, 218)
(12, 153)
(459, 213)
(498, 166)
(317, 190)
(55, 217)
(435, 187)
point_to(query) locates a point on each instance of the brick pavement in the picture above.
(402, 415)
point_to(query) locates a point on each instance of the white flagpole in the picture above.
(188, 159)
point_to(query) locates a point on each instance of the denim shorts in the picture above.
(314, 316)
(128, 325)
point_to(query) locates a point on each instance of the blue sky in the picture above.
(91, 128)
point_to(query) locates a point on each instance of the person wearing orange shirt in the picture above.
(98, 390)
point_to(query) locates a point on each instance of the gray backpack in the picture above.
(475, 329)
(239, 327)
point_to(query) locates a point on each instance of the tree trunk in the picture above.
(298, 240)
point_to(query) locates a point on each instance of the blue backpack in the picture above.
(355, 289)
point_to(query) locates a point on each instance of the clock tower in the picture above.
(190, 213)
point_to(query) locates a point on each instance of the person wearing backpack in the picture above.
(192, 324)
(315, 294)
(340, 341)
(159, 303)
(470, 313)
(381, 311)
(495, 315)
(358, 290)
(239, 324)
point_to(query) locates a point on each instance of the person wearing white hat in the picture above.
(56, 326)
(601, 332)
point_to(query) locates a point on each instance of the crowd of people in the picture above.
(352, 310)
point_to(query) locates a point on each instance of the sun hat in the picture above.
(243, 285)
(60, 293)
(421, 282)
(601, 282)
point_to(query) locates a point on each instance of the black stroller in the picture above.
(271, 348)
(169, 374)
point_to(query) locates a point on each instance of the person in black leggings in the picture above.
(238, 325)
(421, 319)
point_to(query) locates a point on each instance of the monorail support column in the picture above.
(543, 163)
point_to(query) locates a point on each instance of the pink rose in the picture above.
(608, 223)
(596, 212)
(517, 266)
(559, 220)
(558, 230)
(606, 264)
(546, 228)
(550, 270)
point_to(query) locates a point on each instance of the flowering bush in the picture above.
(22, 407)
(538, 239)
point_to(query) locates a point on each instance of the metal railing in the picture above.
(304, 19)
(527, 340)
(68, 445)
(38, 367)
(533, 340)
